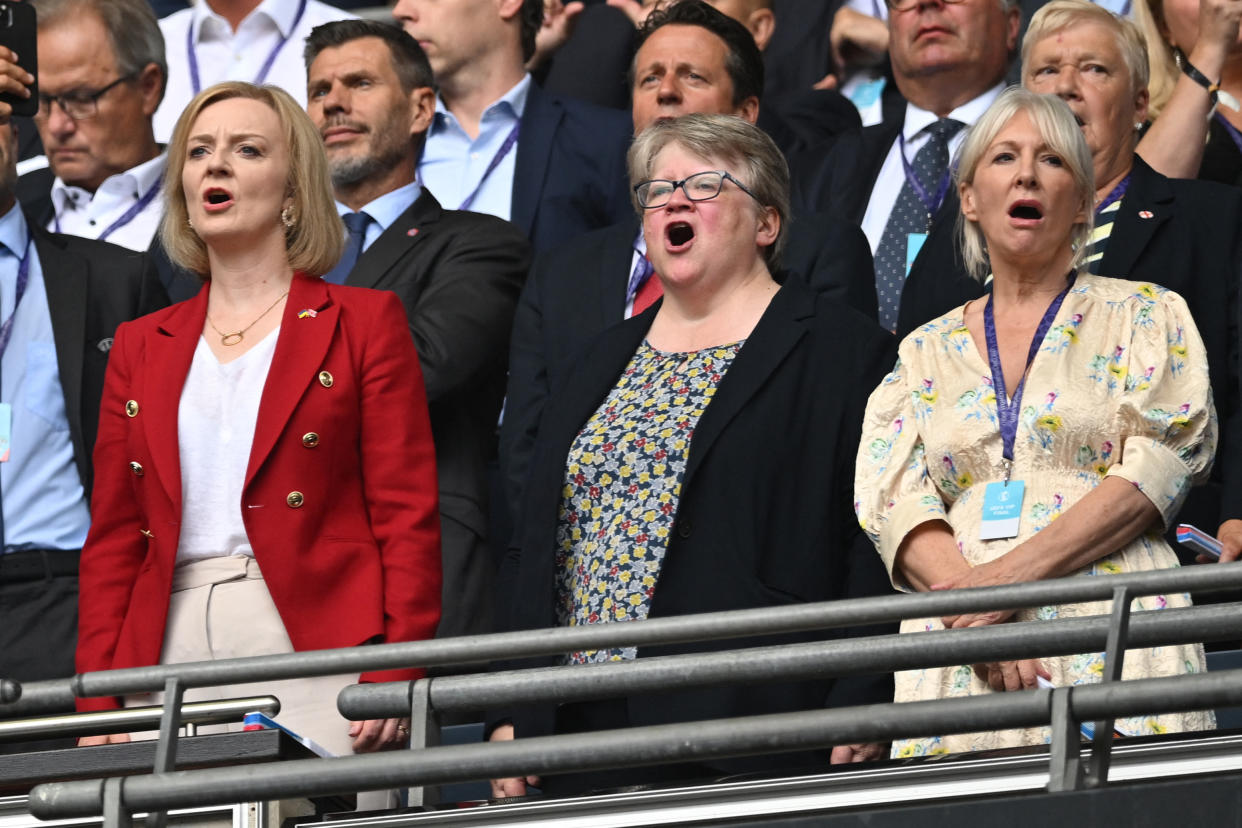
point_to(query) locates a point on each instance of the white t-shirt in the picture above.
(215, 429)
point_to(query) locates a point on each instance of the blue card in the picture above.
(914, 243)
(1002, 510)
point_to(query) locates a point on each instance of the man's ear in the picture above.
(422, 109)
(762, 22)
(151, 86)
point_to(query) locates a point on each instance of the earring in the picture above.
(189, 222)
(286, 217)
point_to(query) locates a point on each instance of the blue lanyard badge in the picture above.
(192, 58)
(931, 201)
(1002, 501)
(6, 333)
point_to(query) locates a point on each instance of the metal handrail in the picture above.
(638, 746)
(134, 719)
(682, 629)
(790, 662)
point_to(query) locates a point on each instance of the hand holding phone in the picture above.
(1195, 538)
(19, 60)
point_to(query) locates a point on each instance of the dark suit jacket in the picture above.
(1190, 244)
(353, 558)
(458, 275)
(765, 516)
(577, 290)
(91, 288)
(569, 174)
(34, 191)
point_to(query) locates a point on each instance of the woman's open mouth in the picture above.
(679, 235)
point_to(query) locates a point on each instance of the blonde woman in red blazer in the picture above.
(337, 521)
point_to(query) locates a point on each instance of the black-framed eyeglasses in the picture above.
(79, 104)
(907, 5)
(698, 187)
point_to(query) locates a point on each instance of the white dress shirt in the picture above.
(453, 164)
(90, 215)
(223, 54)
(892, 175)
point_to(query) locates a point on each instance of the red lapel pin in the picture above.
(413, 231)
(1146, 214)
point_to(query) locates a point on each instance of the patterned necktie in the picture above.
(356, 224)
(910, 215)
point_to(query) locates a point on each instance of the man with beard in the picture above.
(369, 91)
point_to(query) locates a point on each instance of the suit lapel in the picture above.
(382, 256)
(540, 120)
(300, 350)
(65, 281)
(1147, 204)
(615, 265)
(169, 353)
(778, 331)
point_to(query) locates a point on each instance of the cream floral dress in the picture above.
(1118, 388)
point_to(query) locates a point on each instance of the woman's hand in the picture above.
(1230, 537)
(1218, 31)
(379, 734)
(853, 754)
(513, 786)
(558, 25)
(106, 739)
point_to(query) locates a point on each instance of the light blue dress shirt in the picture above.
(385, 210)
(43, 500)
(452, 165)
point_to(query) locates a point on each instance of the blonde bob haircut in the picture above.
(316, 239)
(755, 159)
(1059, 131)
(1059, 15)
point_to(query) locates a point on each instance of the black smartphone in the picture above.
(18, 32)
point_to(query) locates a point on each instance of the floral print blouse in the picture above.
(622, 481)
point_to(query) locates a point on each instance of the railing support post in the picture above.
(424, 733)
(1065, 772)
(166, 748)
(115, 814)
(1114, 660)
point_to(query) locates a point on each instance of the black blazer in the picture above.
(569, 174)
(577, 290)
(765, 517)
(458, 275)
(91, 288)
(1176, 233)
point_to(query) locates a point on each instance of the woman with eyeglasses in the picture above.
(699, 458)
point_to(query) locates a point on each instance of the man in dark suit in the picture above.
(553, 166)
(63, 298)
(892, 179)
(457, 273)
(692, 59)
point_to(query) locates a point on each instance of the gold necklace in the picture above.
(230, 339)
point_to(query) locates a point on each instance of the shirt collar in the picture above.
(13, 231)
(139, 180)
(512, 104)
(968, 113)
(388, 208)
(282, 13)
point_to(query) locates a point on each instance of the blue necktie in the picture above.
(356, 224)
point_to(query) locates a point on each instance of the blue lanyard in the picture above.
(126, 217)
(931, 203)
(504, 150)
(1115, 195)
(192, 58)
(1007, 411)
(23, 276)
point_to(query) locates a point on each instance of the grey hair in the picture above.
(758, 162)
(1062, 14)
(131, 25)
(1059, 130)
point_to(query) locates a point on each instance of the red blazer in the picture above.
(339, 502)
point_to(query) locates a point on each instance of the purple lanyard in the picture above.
(1007, 411)
(1230, 129)
(192, 58)
(932, 204)
(1114, 196)
(23, 276)
(126, 217)
(504, 150)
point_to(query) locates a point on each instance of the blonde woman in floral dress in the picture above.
(1105, 420)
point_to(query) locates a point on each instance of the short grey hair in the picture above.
(1058, 15)
(756, 160)
(1059, 130)
(131, 25)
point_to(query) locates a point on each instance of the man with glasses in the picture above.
(949, 59)
(101, 77)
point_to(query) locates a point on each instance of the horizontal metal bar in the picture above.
(133, 719)
(704, 627)
(821, 659)
(663, 744)
(10, 691)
